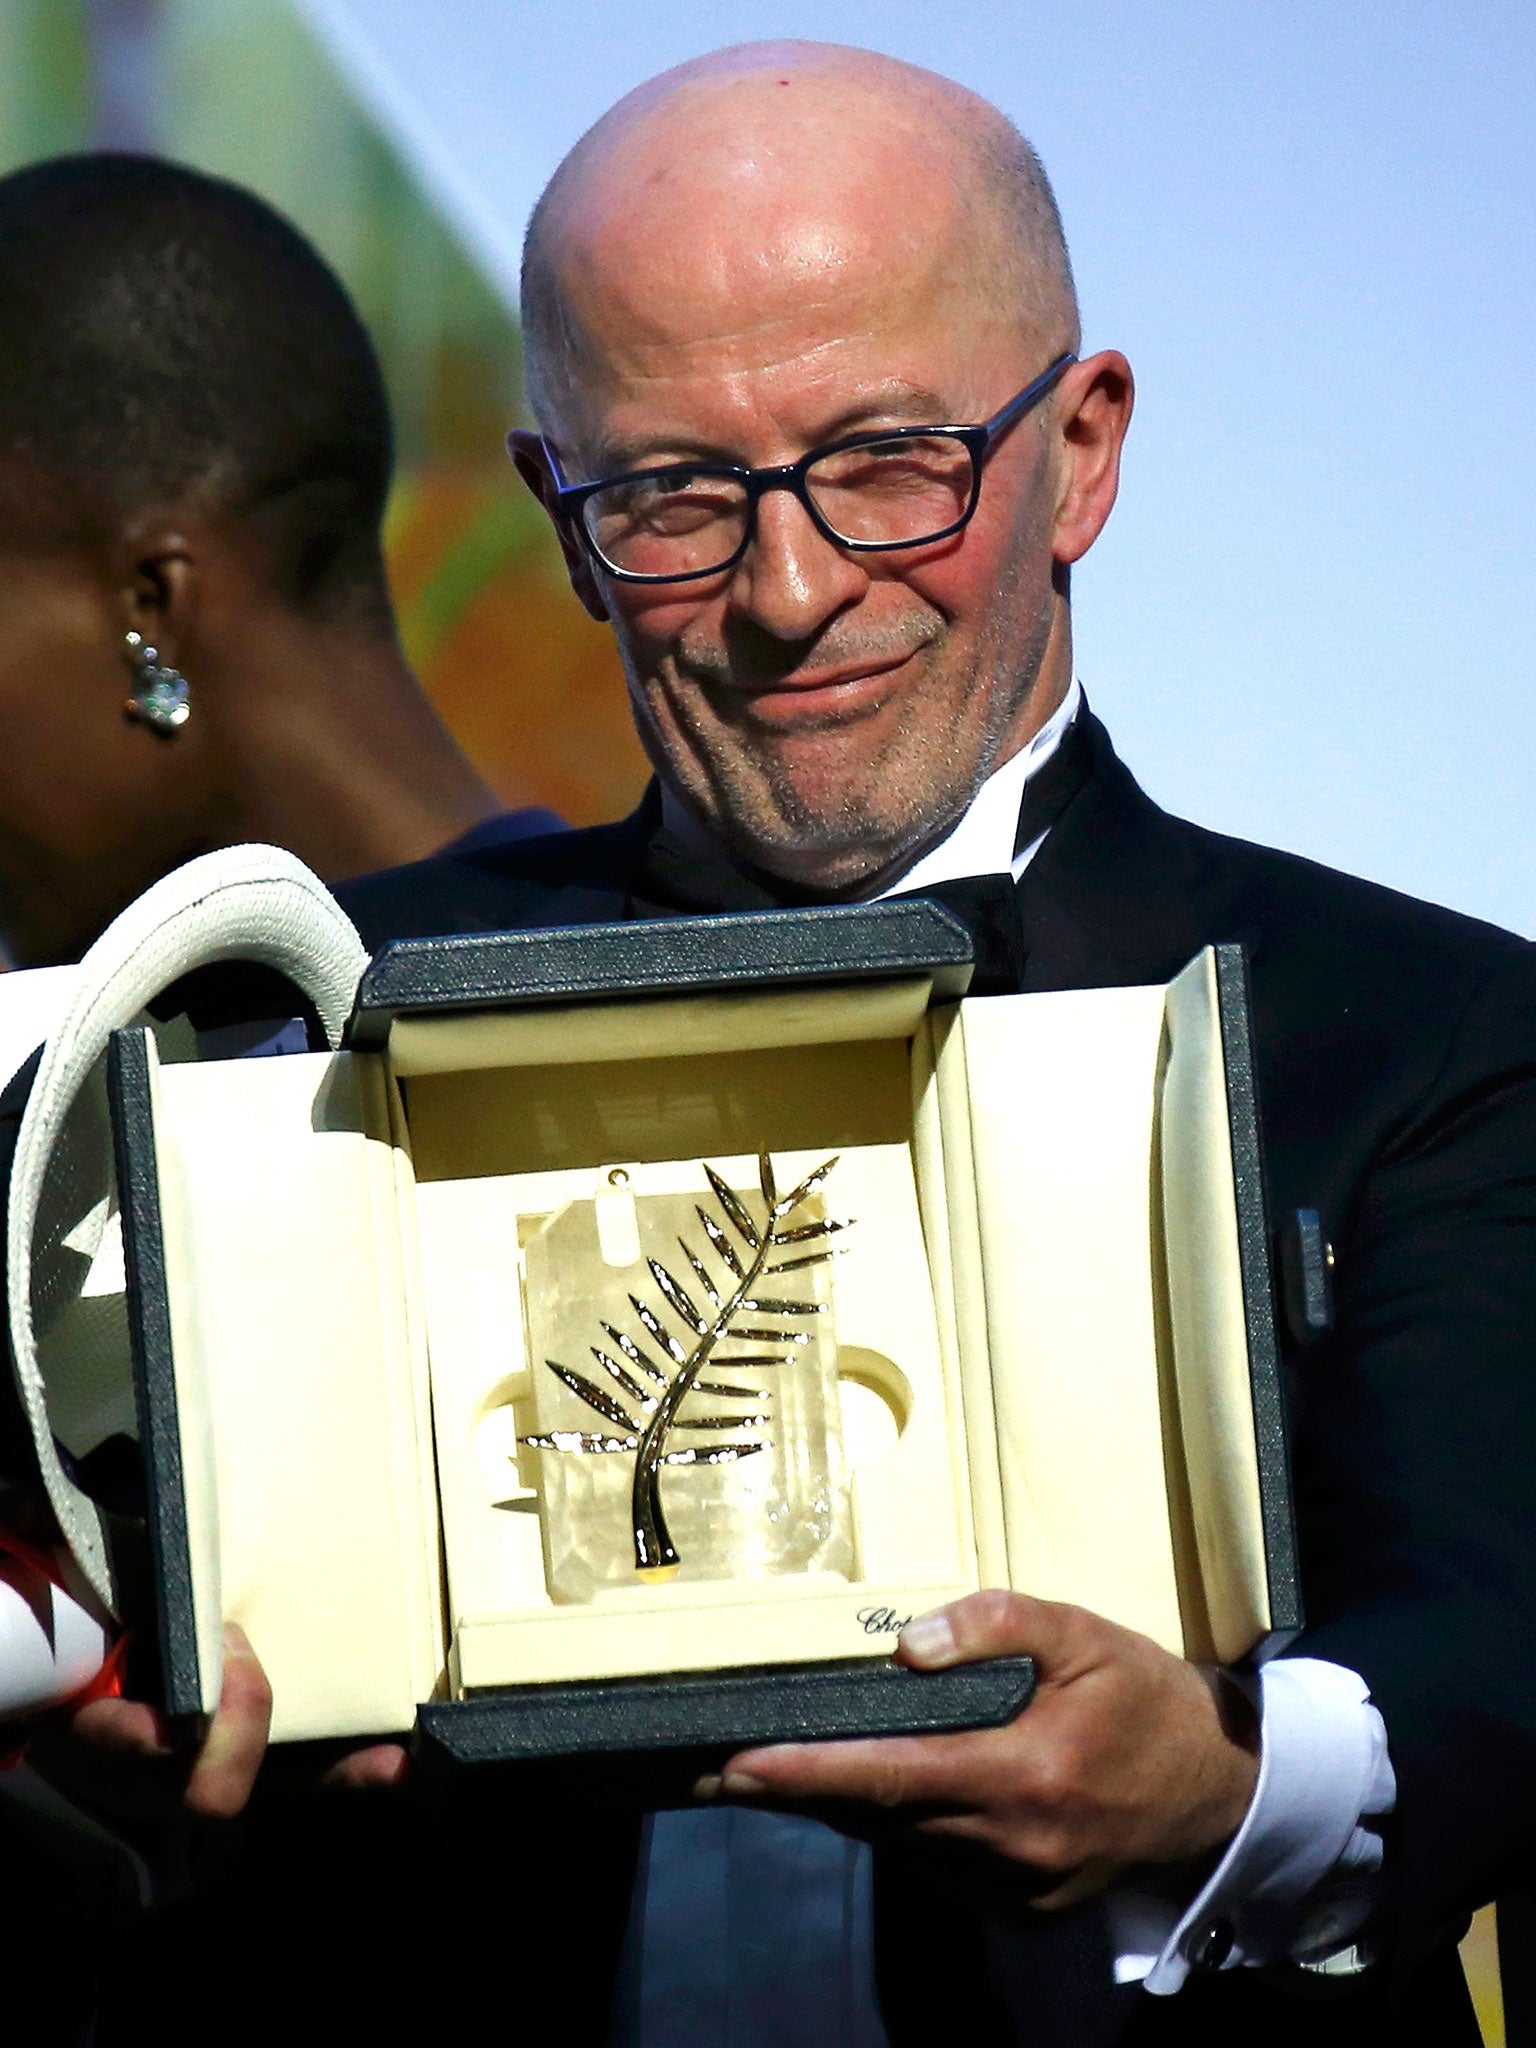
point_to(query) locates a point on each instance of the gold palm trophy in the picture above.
(614, 1291)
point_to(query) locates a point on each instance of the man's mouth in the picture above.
(825, 694)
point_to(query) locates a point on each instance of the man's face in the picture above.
(825, 712)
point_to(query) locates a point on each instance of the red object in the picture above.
(107, 1684)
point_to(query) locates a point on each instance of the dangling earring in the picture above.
(159, 695)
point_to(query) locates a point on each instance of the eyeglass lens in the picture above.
(687, 522)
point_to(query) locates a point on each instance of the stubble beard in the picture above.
(836, 818)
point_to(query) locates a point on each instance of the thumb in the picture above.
(998, 1624)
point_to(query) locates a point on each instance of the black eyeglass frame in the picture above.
(979, 441)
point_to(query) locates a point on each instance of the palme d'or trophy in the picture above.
(703, 1440)
(745, 1440)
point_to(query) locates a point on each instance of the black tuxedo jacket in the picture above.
(1396, 1058)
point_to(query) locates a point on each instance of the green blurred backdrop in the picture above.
(241, 87)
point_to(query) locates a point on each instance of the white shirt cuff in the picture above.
(1297, 1880)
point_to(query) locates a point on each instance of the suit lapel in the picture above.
(1118, 895)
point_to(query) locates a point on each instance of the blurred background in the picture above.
(247, 89)
(1310, 621)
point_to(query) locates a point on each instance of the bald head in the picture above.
(763, 178)
(815, 264)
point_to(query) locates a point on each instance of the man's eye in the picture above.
(677, 505)
(892, 466)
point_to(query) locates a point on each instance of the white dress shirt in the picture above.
(1295, 1883)
(980, 842)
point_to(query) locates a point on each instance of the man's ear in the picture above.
(528, 452)
(156, 570)
(1093, 411)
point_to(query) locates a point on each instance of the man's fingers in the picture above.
(225, 1770)
(120, 1728)
(1091, 1877)
(897, 1770)
(116, 1753)
(1024, 1838)
(385, 1763)
(996, 1624)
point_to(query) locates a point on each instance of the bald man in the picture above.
(817, 436)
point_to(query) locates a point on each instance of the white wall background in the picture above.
(1311, 228)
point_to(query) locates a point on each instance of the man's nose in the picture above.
(792, 579)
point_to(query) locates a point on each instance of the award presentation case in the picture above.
(1048, 1326)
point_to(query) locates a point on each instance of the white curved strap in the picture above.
(253, 903)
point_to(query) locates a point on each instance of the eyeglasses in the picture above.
(900, 488)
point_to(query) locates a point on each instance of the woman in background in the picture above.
(197, 643)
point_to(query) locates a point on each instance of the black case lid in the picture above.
(1271, 1431)
(646, 1739)
(661, 957)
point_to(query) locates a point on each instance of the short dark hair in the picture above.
(167, 339)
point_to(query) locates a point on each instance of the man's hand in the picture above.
(114, 1753)
(1126, 1755)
